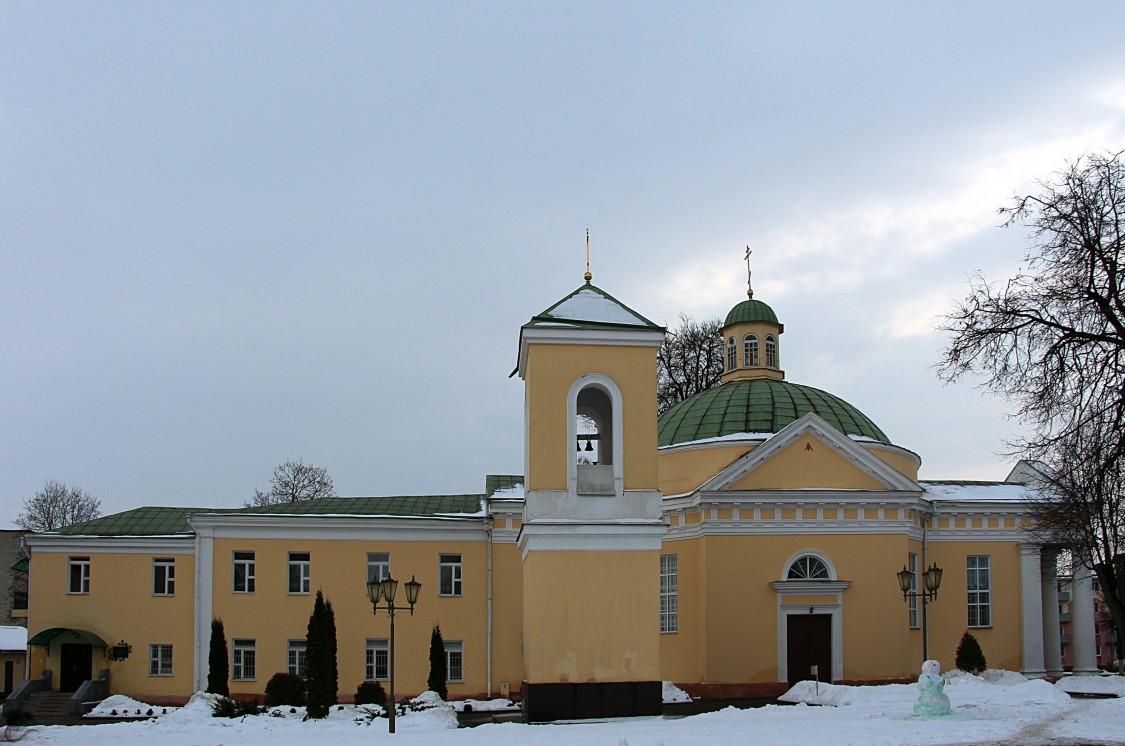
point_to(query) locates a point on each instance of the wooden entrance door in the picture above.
(809, 643)
(75, 665)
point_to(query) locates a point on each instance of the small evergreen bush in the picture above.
(970, 658)
(370, 693)
(218, 665)
(285, 689)
(438, 672)
(227, 707)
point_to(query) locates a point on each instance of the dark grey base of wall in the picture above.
(545, 702)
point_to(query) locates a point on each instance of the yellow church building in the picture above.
(747, 538)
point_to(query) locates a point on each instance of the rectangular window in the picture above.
(980, 590)
(912, 600)
(79, 578)
(449, 575)
(243, 663)
(296, 663)
(454, 660)
(378, 565)
(669, 593)
(163, 577)
(243, 572)
(159, 660)
(300, 566)
(375, 668)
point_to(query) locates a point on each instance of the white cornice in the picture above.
(343, 528)
(571, 335)
(112, 544)
(573, 536)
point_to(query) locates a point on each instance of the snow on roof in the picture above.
(942, 491)
(13, 638)
(513, 491)
(721, 438)
(589, 305)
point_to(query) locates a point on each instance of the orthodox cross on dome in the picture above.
(588, 275)
(749, 289)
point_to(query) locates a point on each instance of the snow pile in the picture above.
(1105, 686)
(672, 693)
(963, 689)
(1003, 678)
(484, 705)
(120, 706)
(429, 710)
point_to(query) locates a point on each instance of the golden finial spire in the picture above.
(749, 289)
(588, 275)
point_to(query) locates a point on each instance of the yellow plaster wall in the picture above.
(551, 371)
(507, 617)
(578, 627)
(680, 652)
(738, 633)
(739, 332)
(904, 463)
(1001, 642)
(272, 617)
(120, 606)
(797, 467)
(684, 471)
(18, 664)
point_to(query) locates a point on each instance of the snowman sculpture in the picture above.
(932, 699)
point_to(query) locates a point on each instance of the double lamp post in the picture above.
(385, 590)
(931, 581)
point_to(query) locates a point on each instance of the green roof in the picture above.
(751, 310)
(496, 482)
(761, 405)
(164, 521)
(590, 307)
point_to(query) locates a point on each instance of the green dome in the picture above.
(761, 405)
(750, 310)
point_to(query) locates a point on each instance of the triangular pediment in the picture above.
(810, 454)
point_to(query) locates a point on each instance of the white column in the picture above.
(1052, 644)
(1031, 611)
(1082, 622)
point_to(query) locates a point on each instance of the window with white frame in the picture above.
(980, 590)
(163, 576)
(243, 572)
(750, 350)
(912, 599)
(732, 354)
(79, 575)
(771, 352)
(243, 660)
(454, 660)
(300, 566)
(375, 663)
(808, 567)
(669, 593)
(159, 660)
(449, 575)
(378, 566)
(297, 662)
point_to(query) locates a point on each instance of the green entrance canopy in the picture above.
(44, 638)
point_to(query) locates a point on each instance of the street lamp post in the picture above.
(385, 590)
(931, 581)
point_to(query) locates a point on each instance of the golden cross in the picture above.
(588, 275)
(749, 290)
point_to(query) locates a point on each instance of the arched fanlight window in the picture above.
(808, 567)
(771, 352)
(732, 354)
(750, 351)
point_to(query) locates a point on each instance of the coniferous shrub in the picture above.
(970, 658)
(370, 693)
(438, 672)
(320, 655)
(218, 665)
(226, 707)
(285, 689)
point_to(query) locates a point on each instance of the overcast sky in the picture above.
(233, 234)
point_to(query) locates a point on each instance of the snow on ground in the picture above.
(1027, 713)
(1106, 685)
(672, 693)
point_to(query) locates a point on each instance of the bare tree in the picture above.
(1079, 506)
(294, 481)
(57, 505)
(689, 361)
(1052, 341)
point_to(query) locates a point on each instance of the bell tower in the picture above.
(591, 532)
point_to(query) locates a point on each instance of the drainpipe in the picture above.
(488, 533)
